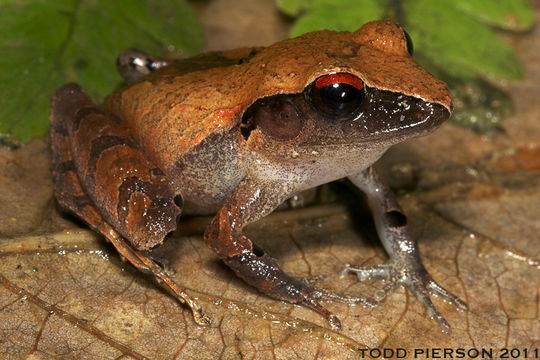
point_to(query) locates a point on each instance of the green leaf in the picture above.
(508, 14)
(293, 7)
(337, 15)
(47, 43)
(452, 38)
(457, 43)
(453, 34)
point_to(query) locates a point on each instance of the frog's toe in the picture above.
(412, 275)
(327, 295)
(422, 286)
(201, 318)
(314, 294)
(374, 272)
(438, 291)
(422, 294)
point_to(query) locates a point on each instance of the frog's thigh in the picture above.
(127, 190)
(69, 191)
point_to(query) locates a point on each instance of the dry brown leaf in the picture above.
(67, 295)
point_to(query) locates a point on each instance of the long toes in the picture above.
(311, 302)
(313, 279)
(434, 314)
(460, 304)
(437, 290)
(390, 286)
(422, 294)
(201, 318)
(324, 294)
(349, 299)
(374, 272)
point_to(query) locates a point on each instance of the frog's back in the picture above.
(175, 108)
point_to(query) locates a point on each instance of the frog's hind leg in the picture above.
(70, 109)
(404, 266)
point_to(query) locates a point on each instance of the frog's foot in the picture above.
(328, 295)
(146, 264)
(161, 261)
(263, 272)
(413, 275)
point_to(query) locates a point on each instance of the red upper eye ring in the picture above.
(340, 78)
(337, 95)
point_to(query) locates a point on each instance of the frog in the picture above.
(238, 132)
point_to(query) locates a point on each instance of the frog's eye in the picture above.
(337, 94)
(410, 46)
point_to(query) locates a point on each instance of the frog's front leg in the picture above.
(404, 266)
(250, 201)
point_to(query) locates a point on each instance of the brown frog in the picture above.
(237, 133)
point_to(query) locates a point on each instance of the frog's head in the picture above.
(340, 109)
(357, 104)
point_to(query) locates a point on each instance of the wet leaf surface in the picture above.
(473, 203)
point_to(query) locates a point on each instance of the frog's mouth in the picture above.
(381, 116)
(388, 115)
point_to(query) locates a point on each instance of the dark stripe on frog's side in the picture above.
(99, 145)
(214, 59)
(133, 185)
(69, 191)
(66, 166)
(94, 156)
(83, 114)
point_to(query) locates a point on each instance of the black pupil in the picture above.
(339, 93)
(339, 98)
